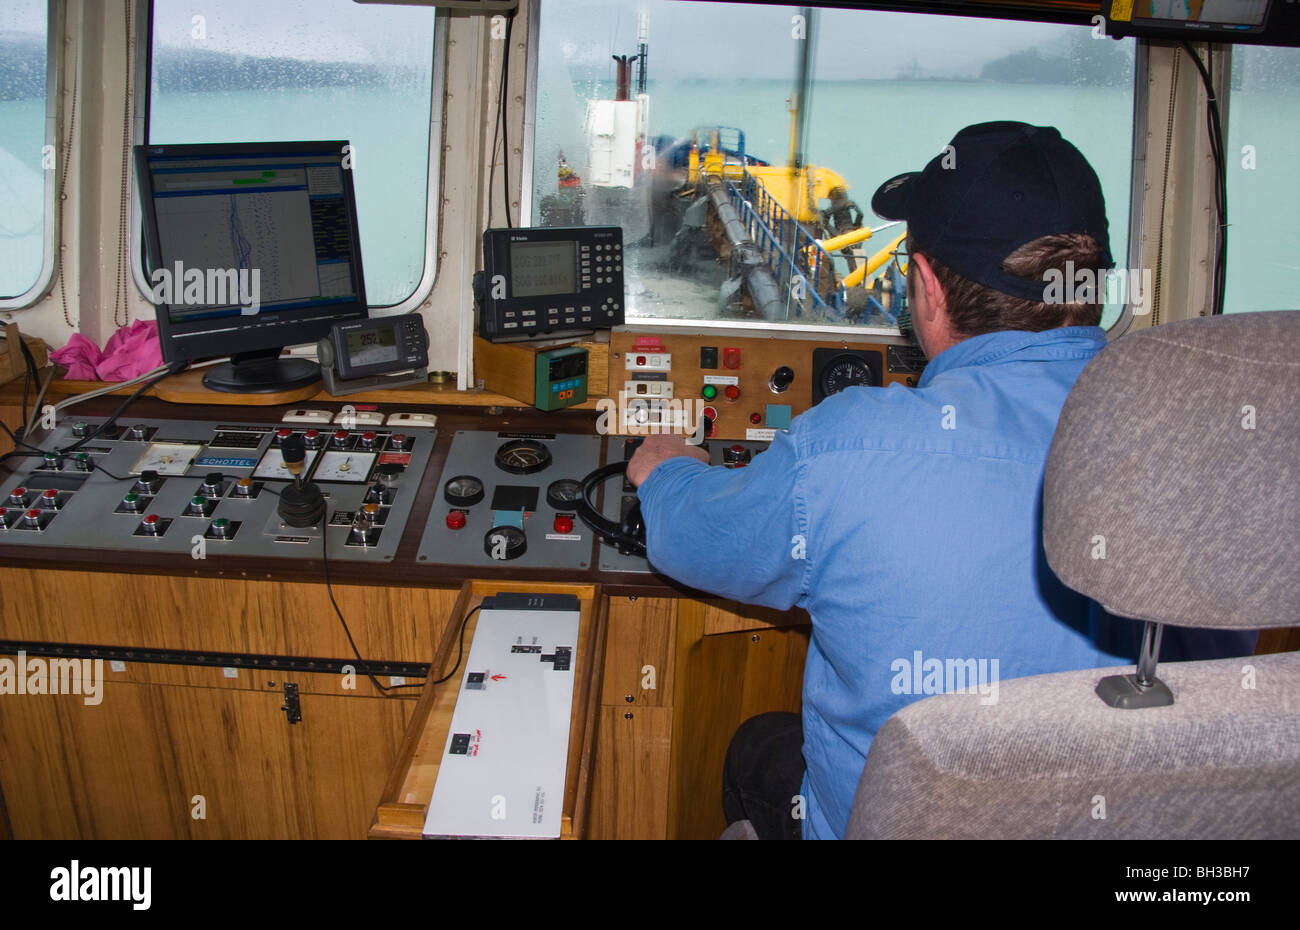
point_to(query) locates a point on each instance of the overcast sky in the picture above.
(686, 37)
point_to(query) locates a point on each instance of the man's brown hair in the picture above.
(976, 309)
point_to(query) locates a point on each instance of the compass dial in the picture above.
(523, 457)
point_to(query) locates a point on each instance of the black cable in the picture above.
(501, 131)
(460, 649)
(504, 118)
(329, 589)
(174, 368)
(1215, 129)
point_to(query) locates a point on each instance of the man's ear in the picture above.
(933, 296)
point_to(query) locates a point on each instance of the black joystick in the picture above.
(301, 503)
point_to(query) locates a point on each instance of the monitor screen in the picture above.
(249, 246)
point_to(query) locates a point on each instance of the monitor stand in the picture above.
(262, 372)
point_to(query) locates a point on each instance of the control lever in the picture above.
(301, 503)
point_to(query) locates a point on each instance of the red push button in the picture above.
(563, 524)
(730, 358)
(756, 418)
(732, 392)
(455, 519)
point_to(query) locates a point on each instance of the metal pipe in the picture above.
(757, 277)
(1146, 669)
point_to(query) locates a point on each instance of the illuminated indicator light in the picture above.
(455, 520)
(732, 392)
(709, 392)
(730, 358)
(640, 359)
(244, 487)
(370, 510)
(563, 524)
(755, 418)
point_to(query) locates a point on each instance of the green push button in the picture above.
(710, 392)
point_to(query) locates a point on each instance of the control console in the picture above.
(203, 489)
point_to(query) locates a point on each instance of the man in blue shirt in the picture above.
(907, 521)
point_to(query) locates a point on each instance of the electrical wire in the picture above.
(329, 590)
(502, 129)
(1215, 129)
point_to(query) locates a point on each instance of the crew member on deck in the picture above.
(906, 521)
(843, 216)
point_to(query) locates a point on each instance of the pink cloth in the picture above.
(129, 353)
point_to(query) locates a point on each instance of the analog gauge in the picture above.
(523, 457)
(845, 371)
(351, 467)
(561, 494)
(504, 543)
(167, 458)
(463, 491)
(272, 465)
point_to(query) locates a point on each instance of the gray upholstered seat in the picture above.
(1172, 495)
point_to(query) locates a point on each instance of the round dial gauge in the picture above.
(463, 491)
(561, 494)
(523, 457)
(845, 371)
(504, 543)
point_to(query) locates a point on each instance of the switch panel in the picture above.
(647, 361)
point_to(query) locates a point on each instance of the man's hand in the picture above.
(656, 449)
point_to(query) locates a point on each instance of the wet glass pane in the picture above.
(1263, 150)
(23, 157)
(888, 92)
(283, 70)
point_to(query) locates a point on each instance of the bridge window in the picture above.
(1263, 150)
(276, 70)
(888, 92)
(28, 153)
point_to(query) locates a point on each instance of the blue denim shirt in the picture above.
(907, 522)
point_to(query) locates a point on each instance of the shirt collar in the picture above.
(994, 348)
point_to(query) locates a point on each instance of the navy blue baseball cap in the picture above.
(997, 187)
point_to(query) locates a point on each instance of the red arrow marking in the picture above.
(498, 677)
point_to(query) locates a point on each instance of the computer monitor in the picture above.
(250, 247)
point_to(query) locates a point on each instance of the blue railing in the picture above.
(795, 258)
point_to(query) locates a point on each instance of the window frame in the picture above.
(30, 297)
(139, 135)
(1137, 191)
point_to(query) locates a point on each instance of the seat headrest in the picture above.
(1172, 490)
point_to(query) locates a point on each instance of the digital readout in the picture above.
(372, 347)
(538, 269)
